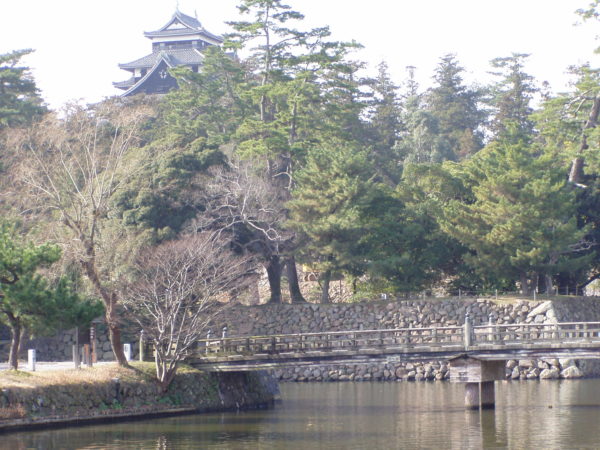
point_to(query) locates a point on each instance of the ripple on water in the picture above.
(548, 414)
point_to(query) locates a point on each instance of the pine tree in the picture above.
(456, 107)
(20, 101)
(511, 97)
(299, 78)
(521, 223)
(386, 125)
(420, 141)
(28, 301)
(568, 129)
(334, 187)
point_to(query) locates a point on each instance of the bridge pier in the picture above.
(479, 376)
(480, 395)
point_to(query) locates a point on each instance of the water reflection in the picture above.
(362, 415)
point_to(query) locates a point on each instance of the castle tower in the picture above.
(179, 42)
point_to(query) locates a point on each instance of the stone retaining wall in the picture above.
(306, 318)
(60, 347)
(287, 319)
(199, 391)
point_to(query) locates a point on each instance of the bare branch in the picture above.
(179, 287)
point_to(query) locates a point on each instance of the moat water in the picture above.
(377, 415)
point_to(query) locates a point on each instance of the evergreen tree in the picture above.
(20, 101)
(456, 107)
(521, 223)
(28, 301)
(420, 141)
(334, 187)
(386, 125)
(511, 97)
(208, 104)
(300, 78)
(569, 132)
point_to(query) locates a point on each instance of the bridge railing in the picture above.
(431, 339)
(339, 340)
(536, 333)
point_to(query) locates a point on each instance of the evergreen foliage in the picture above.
(521, 223)
(289, 151)
(20, 101)
(29, 301)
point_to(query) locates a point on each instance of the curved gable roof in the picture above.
(162, 61)
(187, 21)
(190, 24)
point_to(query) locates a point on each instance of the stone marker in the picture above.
(127, 351)
(31, 360)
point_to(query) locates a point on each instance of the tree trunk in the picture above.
(15, 342)
(114, 334)
(294, 285)
(165, 372)
(548, 283)
(525, 284)
(576, 173)
(110, 301)
(274, 276)
(325, 292)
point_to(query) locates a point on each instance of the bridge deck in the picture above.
(492, 342)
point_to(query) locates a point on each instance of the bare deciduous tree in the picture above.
(241, 202)
(71, 167)
(178, 288)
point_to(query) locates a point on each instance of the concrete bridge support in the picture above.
(480, 395)
(478, 376)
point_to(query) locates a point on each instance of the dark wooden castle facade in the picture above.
(180, 42)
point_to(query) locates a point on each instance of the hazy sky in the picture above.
(79, 43)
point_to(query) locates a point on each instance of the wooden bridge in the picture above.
(579, 340)
(477, 354)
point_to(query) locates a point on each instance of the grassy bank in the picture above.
(110, 392)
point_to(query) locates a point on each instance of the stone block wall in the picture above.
(307, 318)
(60, 347)
(203, 391)
(288, 319)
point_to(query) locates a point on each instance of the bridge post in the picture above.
(468, 332)
(223, 341)
(478, 376)
(207, 345)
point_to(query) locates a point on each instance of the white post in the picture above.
(31, 360)
(468, 330)
(142, 355)
(127, 351)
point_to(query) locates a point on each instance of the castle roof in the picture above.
(178, 57)
(182, 25)
(162, 62)
(178, 43)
